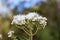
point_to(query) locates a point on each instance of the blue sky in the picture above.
(20, 4)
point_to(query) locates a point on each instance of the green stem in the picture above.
(35, 32)
(31, 36)
(26, 32)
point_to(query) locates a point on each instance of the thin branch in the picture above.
(26, 32)
(35, 32)
(23, 30)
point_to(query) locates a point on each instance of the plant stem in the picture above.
(26, 32)
(31, 36)
(35, 32)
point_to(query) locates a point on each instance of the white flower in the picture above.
(34, 19)
(0, 36)
(44, 24)
(31, 15)
(42, 21)
(19, 19)
(10, 33)
(37, 18)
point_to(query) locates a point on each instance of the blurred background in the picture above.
(46, 8)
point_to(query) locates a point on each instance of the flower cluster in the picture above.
(0, 36)
(21, 19)
(10, 33)
(31, 15)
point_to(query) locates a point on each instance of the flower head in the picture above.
(21, 19)
(31, 15)
(10, 33)
(0, 36)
